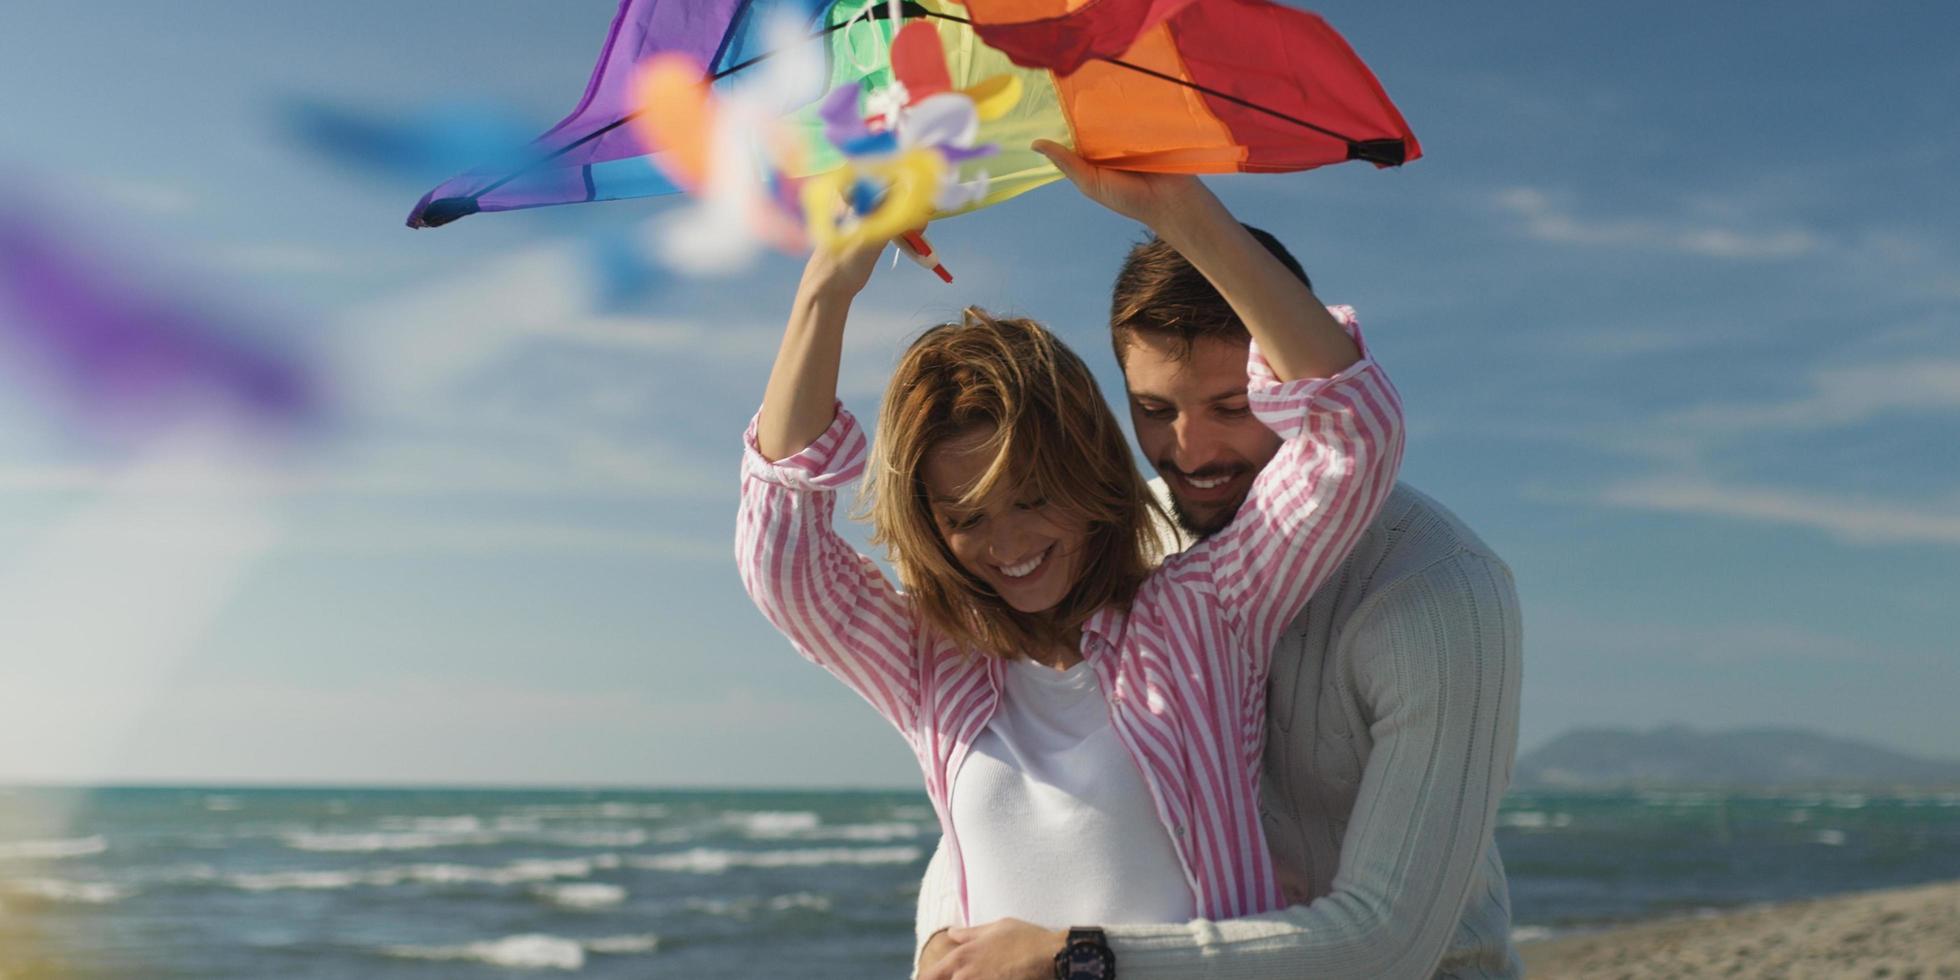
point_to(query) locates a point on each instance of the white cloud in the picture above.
(1839, 396)
(1545, 219)
(1855, 520)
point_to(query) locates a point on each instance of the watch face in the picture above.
(1088, 961)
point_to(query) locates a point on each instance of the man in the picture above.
(1392, 703)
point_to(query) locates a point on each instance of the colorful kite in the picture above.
(1177, 86)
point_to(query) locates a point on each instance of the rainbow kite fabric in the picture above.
(1177, 86)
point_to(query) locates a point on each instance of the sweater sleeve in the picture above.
(1436, 662)
(835, 606)
(939, 903)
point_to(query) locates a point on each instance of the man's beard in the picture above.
(1196, 524)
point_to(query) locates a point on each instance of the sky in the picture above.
(1673, 301)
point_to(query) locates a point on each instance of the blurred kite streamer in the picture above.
(1176, 86)
(128, 359)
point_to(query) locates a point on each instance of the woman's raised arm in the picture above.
(801, 399)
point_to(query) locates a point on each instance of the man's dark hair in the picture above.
(1160, 293)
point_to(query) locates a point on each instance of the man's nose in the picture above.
(1194, 442)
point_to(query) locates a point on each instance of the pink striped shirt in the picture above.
(1184, 668)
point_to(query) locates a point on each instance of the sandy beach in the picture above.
(1902, 933)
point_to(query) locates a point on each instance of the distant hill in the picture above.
(1768, 758)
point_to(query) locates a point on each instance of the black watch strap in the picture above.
(1086, 956)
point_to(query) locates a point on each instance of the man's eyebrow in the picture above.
(1225, 395)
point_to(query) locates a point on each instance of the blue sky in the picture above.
(1673, 300)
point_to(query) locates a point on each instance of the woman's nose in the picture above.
(1010, 539)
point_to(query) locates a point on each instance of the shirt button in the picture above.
(1177, 830)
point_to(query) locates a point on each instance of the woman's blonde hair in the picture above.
(1053, 436)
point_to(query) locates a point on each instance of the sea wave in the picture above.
(704, 860)
(604, 810)
(52, 849)
(588, 895)
(370, 842)
(514, 873)
(747, 907)
(429, 833)
(1533, 819)
(68, 892)
(886, 831)
(595, 837)
(1528, 934)
(459, 824)
(530, 951)
(773, 823)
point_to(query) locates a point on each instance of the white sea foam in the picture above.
(53, 849)
(768, 824)
(302, 880)
(401, 833)
(463, 824)
(703, 860)
(888, 831)
(609, 810)
(223, 804)
(743, 908)
(624, 945)
(590, 895)
(515, 873)
(527, 952)
(1533, 819)
(70, 892)
(1829, 838)
(531, 951)
(596, 837)
(370, 842)
(1679, 798)
(1526, 934)
(633, 811)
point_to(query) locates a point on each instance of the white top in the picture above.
(1053, 816)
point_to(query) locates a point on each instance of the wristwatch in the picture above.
(1086, 956)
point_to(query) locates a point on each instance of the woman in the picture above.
(1089, 728)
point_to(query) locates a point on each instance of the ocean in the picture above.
(441, 883)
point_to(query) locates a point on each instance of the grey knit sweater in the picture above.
(1392, 722)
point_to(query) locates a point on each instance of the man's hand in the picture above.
(1154, 199)
(936, 949)
(1008, 949)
